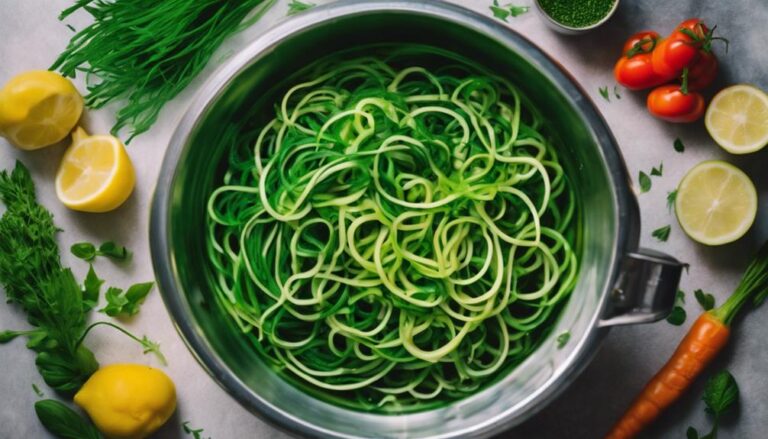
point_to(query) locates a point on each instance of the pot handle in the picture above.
(645, 290)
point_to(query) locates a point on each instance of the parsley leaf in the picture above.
(720, 393)
(662, 233)
(126, 304)
(506, 11)
(296, 6)
(196, 433)
(91, 288)
(604, 93)
(657, 172)
(645, 182)
(706, 300)
(563, 338)
(677, 316)
(671, 198)
(679, 147)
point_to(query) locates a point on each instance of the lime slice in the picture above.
(716, 203)
(737, 118)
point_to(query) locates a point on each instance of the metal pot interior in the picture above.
(251, 79)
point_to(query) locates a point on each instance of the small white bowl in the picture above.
(568, 30)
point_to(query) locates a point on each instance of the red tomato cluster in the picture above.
(686, 55)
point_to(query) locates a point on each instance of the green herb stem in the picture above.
(753, 286)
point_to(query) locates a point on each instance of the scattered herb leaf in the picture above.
(680, 296)
(126, 304)
(679, 146)
(63, 422)
(662, 233)
(84, 250)
(604, 93)
(677, 316)
(196, 433)
(37, 390)
(296, 6)
(645, 182)
(671, 198)
(508, 10)
(691, 433)
(616, 92)
(720, 393)
(563, 338)
(72, 28)
(706, 300)
(657, 172)
(91, 289)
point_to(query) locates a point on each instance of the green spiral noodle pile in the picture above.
(399, 234)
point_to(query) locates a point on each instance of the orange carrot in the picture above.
(699, 347)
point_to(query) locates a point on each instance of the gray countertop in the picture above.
(31, 37)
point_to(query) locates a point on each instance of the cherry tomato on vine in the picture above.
(672, 55)
(695, 26)
(637, 73)
(703, 72)
(641, 42)
(669, 103)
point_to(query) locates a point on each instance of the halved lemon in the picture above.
(95, 175)
(38, 108)
(737, 119)
(716, 203)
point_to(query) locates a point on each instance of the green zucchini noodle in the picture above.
(399, 235)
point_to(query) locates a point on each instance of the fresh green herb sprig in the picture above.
(678, 315)
(645, 182)
(88, 252)
(296, 6)
(508, 10)
(604, 93)
(721, 394)
(662, 233)
(126, 303)
(197, 433)
(145, 52)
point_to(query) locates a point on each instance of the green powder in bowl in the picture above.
(577, 13)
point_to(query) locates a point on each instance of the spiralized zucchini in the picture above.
(399, 234)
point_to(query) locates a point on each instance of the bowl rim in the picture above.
(626, 210)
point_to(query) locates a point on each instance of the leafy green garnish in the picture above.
(616, 92)
(678, 315)
(143, 53)
(88, 251)
(706, 300)
(721, 394)
(196, 433)
(63, 422)
(645, 182)
(296, 6)
(563, 338)
(128, 303)
(91, 289)
(506, 11)
(691, 433)
(679, 147)
(37, 390)
(662, 233)
(604, 93)
(657, 172)
(671, 198)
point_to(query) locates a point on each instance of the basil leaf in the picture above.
(115, 302)
(677, 316)
(706, 300)
(720, 393)
(84, 250)
(645, 182)
(135, 295)
(63, 422)
(114, 251)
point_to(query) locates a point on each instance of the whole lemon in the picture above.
(128, 401)
(38, 108)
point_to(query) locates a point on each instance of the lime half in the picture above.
(716, 203)
(737, 118)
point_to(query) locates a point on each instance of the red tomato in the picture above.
(637, 73)
(646, 39)
(703, 72)
(672, 55)
(669, 103)
(694, 25)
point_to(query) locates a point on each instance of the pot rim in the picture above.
(626, 210)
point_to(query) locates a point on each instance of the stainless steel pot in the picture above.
(618, 283)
